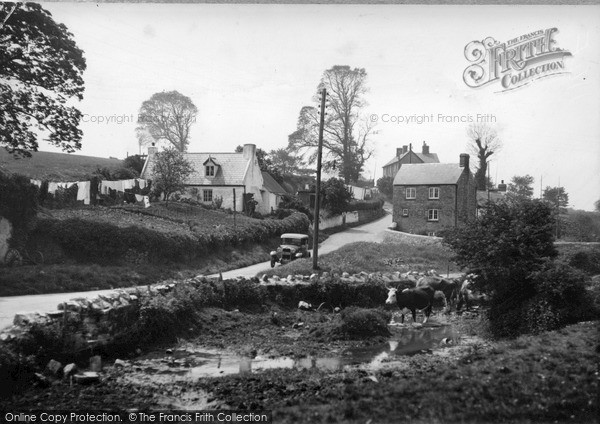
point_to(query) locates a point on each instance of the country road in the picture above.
(11, 305)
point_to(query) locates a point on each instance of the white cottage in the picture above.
(219, 174)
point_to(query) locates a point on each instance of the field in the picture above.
(56, 166)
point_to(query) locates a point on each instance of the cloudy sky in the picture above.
(250, 68)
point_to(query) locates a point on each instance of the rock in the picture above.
(25, 319)
(69, 370)
(304, 305)
(275, 278)
(169, 351)
(298, 325)
(264, 278)
(337, 309)
(345, 275)
(120, 363)
(53, 367)
(88, 377)
(96, 363)
(290, 277)
(5, 337)
(313, 277)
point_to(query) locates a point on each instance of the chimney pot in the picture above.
(404, 148)
(425, 150)
(249, 151)
(399, 152)
(464, 160)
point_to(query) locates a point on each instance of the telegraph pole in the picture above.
(318, 189)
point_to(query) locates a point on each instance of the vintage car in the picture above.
(293, 246)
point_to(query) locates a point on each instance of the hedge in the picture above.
(99, 242)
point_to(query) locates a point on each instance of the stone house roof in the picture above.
(428, 174)
(271, 185)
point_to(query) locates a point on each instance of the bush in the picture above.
(358, 205)
(361, 323)
(18, 204)
(335, 197)
(293, 203)
(550, 298)
(100, 242)
(386, 186)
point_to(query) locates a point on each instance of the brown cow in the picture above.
(412, 299)
(448, 287)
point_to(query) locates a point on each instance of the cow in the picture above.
(448, 287)
(412, 299)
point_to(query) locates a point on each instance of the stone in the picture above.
(53, 367)
(345, 275)
(25, 319)
(42, 380)
(313, 277)
(304, 305)
(120, 363)
(337, 309)
(290, 277)
(69, 370)
(275, 278)
(264, 278)
(96, 363)
(88, 377)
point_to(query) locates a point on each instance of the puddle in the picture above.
(193, 364)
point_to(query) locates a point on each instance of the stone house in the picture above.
(217, 175)
(428, 197)
(406, 155)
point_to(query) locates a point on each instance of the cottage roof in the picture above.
(428, 174)
(271, 185)
(231, 170)
(424, 157)
(493, 196)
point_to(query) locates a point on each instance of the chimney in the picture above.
(425, 148)
(464, 160)
(152, 150)
(502, 186)
(249, 151)
(398, 152)
(404, 149)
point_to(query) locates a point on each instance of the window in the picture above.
(411, 193)
(210, 170)
(404, 212)
(434, 193)
(207, 195)
(432, 215)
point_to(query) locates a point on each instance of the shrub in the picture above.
(360, 323)
(357, 205)
(386, 186)
(335, 197)
(18, 204)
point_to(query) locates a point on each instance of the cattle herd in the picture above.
(456, 291)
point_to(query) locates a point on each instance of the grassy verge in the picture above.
(374, 257)
(64, 278)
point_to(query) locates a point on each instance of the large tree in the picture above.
(346, 132)
(521, 187)
(41, 71)
(556, 196)
(484, 142)
(170, 169)
(167, 116)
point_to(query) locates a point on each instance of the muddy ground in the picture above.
(291, 362)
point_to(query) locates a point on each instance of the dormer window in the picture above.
(211, 167)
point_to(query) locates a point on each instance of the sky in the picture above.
(249, 69)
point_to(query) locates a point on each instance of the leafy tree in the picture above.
(170, 169)
(167, 116)
(346, 132)
(597, 205)
(264, 163)
(506, 246)
(41, 71)
(335, 197)
(135, 163)
(484, 143)
(286, 162)
(556, 196)
(386, 186)
(521, 187)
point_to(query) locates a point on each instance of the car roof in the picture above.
(294, 235)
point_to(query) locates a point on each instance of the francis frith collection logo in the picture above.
(514, 63)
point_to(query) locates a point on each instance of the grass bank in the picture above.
(374, 257)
